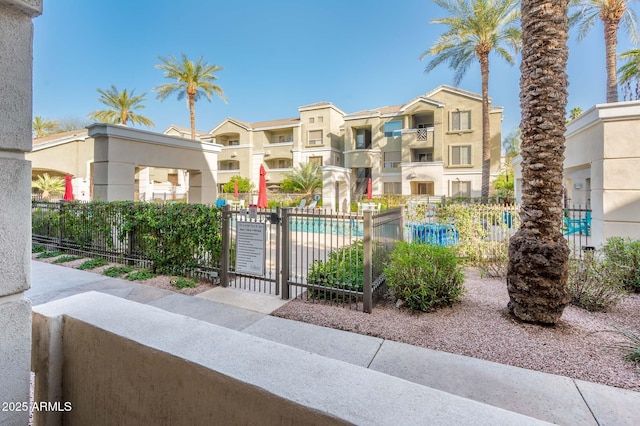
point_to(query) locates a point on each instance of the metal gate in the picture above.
(265, 250)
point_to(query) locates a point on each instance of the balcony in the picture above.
(362, 158)
(418, 138)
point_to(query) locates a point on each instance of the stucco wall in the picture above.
(16, 39)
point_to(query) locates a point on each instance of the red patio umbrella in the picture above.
(235, 189)
(68, 188)
(369, 186)
(262, 189)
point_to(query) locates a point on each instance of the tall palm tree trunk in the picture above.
(486, 142)
(192, 115)
(538, 252)
(611, 44)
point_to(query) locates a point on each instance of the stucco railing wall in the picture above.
(123, 362)
(602, 159)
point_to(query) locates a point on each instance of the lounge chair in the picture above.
(578, 226)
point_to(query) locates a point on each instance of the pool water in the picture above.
(351, 227)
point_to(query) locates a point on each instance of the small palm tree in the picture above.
(629, 72)
(48, 185)
(193, 79)
(305, 179)
(42, 127)
(121, 107)
(612, 13)
(575, 113)
(477, 28)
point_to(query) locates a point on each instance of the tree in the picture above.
(538, 252)
(305, 179)
(48, 185)
(193, 79)
(121, 107)
(244, 185)
(42, 127)
(575, 113)
(511, 144)
(477, 28)
(67, 124)
(612, 13)
(629, 72)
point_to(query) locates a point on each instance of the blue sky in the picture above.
(277, 55)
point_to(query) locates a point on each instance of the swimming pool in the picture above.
(342, 227)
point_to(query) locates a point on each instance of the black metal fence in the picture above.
(172, 239)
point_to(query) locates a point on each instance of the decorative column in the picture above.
(16, 41)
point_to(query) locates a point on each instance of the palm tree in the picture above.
(191, 78)
(306, 179)
(612, 13)
(538, 252)
(477, 28)
(121, 107)
(629, 72)
(42, 127)
(575, 113)
(48, 185)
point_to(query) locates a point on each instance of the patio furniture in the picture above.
(578, 226)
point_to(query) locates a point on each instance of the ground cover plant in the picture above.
(625, 254)
(48, 254)
(92, 264)
(181, 282)
(65, 259)
(343, 269)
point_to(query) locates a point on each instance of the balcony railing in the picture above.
(419, 137)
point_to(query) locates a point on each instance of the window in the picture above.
(285, 138)
(392, 188)
(460, 155)
(315, 160)
(283, 163)
(363, 138)
(320, 119)
(337, 160)
(392, 129)
(234, 143)
(315, 137)
(312, 120)
(422, 188)
(461, 189)
(461, 120)
(391, 160)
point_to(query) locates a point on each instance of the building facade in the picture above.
(432, 145)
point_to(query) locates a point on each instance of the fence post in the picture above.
(367, 301)
(61, 223)
(285, 243)
(226, 247)
(278, 253)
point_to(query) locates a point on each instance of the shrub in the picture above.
(424, 276)
(343, 269)
(495, 259)
(630, 344)
(92, 264)
(625, 254)
(594, 282)
(38, 248)
(65, 259)
(181, 283)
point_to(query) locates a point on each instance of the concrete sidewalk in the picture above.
(542, 396)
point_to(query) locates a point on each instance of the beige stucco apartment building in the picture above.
(431, 145)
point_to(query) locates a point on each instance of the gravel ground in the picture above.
(480, 326)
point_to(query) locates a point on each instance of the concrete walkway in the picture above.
(542, 396)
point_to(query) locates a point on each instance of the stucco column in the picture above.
(202, 187)
(16, 40)
(113, 181)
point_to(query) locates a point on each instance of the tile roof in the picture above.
(77, 134)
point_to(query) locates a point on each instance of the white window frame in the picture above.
(455, 189)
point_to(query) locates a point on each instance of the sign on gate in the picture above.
(250, 248)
